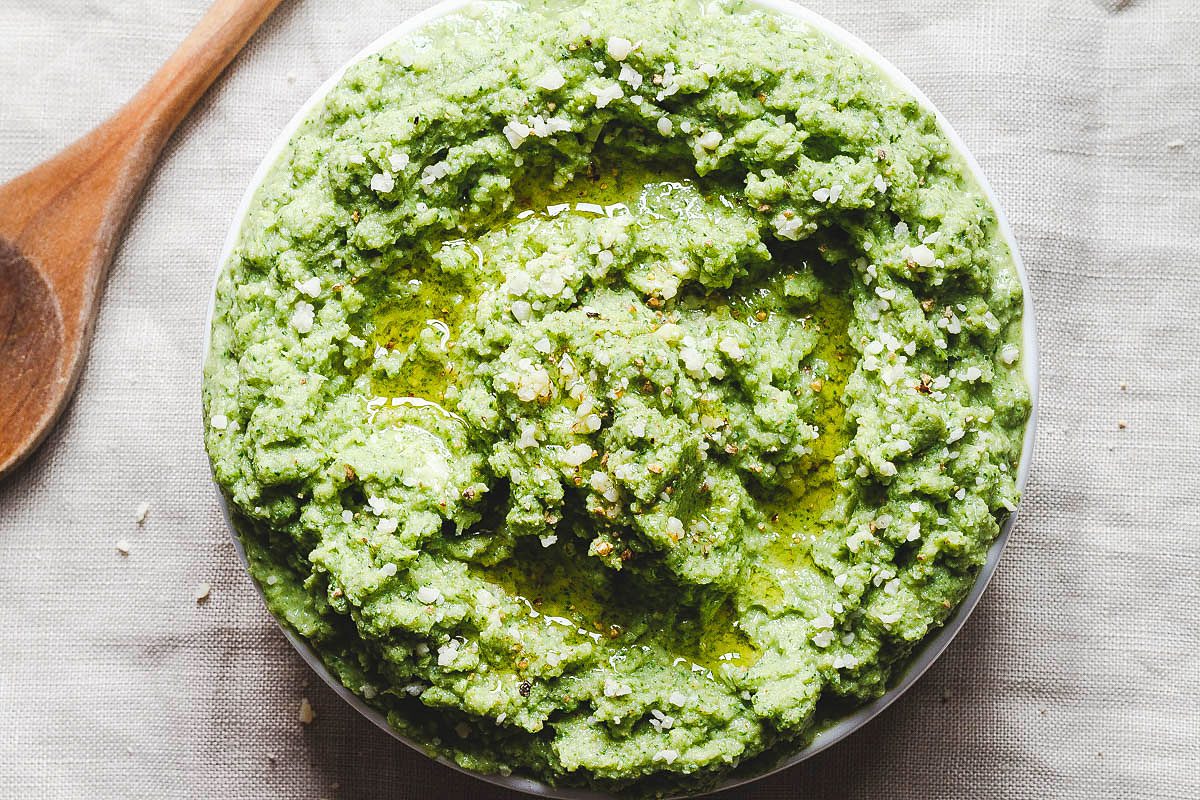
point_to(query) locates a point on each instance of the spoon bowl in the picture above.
(32, 331)
(61, 221)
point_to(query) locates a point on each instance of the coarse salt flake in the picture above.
(516, 132)
(447, 653)
(732, 348)
(517, 283)
(921, 255)
(675, 528)
(551, 80)
(303, 317)
(891, 373)
(619, 48)
(607, 94)
(577, 454)
(631, 76)
(310, 287)
(382, 182)
(660, 721)
(528, 437)
(434, 173)
(789, 227)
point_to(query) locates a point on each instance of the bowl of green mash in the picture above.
(620, 398)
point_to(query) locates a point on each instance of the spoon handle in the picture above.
(89, 187)
(168, 97)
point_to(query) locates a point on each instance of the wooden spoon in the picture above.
(60, 222)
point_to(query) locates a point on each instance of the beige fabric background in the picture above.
(1077, 677)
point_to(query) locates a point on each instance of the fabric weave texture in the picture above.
(1077, 676)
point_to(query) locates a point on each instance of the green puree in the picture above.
(615, 393)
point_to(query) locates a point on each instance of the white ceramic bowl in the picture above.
(927, 652)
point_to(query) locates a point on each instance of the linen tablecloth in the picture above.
(1078, 675)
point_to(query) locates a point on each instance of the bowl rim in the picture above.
(926, 653)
